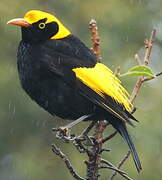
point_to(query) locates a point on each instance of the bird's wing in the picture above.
(101, 86)
(78, 67)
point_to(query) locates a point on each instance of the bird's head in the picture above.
(40, 26)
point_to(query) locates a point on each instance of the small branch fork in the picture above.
(59, 153)
(92, 146)
(141, 80)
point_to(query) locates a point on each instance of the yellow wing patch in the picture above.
(102, 80)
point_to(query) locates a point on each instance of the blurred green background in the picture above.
(25, 128)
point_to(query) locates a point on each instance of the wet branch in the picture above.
(122, 173)
(148, 47)
(121, 163)
(59, 153)
(95, 38)
(109, 137)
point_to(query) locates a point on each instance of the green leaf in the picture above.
(140, 71)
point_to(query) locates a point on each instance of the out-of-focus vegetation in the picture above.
(25, 128)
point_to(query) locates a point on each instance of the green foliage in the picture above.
(139, 71)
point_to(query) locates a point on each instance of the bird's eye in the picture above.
(42, 25)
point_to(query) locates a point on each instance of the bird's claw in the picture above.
(78, 144)
(87, 140)
(81, 141)
(63, 133)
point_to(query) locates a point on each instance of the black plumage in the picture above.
(45, 71)
(45, 67)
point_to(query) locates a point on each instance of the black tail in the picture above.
(121, 128)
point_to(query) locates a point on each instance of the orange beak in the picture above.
(19, 22)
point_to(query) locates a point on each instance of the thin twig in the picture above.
(140, 81)
(147, 79)
(136, 89)
(148, 46)
(120, 165)
(137, 59)
(111, 165)
(117, 72)
(159, 74)
(109, 137)
(95, 38)
(59, 153)
(122, 173)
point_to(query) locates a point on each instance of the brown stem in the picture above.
(59, 153)
(109, 137)
(122, 173)
(136, 89)
(121, 163)
(95, 38)
(148, 46)
(93, 163)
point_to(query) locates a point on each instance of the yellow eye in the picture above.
(42, 25)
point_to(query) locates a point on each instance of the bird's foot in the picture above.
(79, 145)
(87, 140)
(64, 134)
(82, 142)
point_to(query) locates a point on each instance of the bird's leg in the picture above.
(63, 131)
(84, 136)
(86, 130)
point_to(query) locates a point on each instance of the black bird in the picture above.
(64, 77)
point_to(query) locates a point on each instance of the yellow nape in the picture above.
(102, 80)
(34, 16)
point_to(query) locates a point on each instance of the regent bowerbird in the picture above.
(64, 77)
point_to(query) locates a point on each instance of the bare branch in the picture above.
(95, 38)
(147, 79)
(136, 89)
(117, 170)
(111, 165)
(120, 164)
(59, 153)
(148, 46)
(159, 74)
(137, 59)
(109, 137)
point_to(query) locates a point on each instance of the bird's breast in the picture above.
(49, 90)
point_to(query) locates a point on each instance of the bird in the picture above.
(63, 76)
